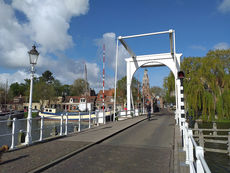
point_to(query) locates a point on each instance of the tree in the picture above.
(57, 87)
(169, 89)
(66, 90)
(122, 89)
(4, 94)
(17, 89)
(79, 87)
(47, 76)
(206, 85)
(42, 92)
(157, 91)
(45, 88)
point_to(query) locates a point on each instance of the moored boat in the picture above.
(51, 113)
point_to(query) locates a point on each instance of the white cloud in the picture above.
(109, 40)
(47, 24)
(18, 76)
(12, 43)
(49, 20)
(222, 45)
(224, 6)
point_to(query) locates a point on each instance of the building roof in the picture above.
(108, 93)
(76, 99)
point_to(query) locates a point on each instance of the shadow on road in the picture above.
(12, 160)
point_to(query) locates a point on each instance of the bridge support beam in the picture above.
(129, 80)
(153, 60)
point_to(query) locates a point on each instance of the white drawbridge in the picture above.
(134, 62)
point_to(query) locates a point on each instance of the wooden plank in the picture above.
(218, 130)
(211, 136)
(216, 150)
(216, 141)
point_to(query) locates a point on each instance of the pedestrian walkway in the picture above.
(35, 156)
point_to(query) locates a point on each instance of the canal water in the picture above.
(217, 162)
(50, 128)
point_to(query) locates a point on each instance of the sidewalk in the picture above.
(179, 154)
(36, 156)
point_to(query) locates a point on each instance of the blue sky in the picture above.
(70, 33)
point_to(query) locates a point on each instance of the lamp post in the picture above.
(33, 56)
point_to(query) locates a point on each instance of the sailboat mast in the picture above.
(103, 100)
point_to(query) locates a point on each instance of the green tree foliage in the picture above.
(207, 85)
(169, 89)
(122, 89)
(43, 91)
(79, 87)
(3, 93)
(157, 91)
(17, 89)
(47, 77)
(65, 90)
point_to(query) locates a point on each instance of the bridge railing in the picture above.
(194, 153)
(16, 128)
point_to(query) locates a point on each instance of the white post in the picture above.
(104, 116)
(13, 134)
(79, 122)
(190, 146)
(28, 139)
(178, 102)
(89, 119)
(97, 118)
(199, 151)
(41, 128)
(128, 88)
(185, 133)
(61, 125)
(66, 124)
(115, 84)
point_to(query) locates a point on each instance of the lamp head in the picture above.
(33, 55)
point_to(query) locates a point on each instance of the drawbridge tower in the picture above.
(134, 62)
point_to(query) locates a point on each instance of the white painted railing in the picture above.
(63, 127)
(195, 161)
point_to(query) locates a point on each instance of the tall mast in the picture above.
(6, 87)
(86, 80)
(103, 100)
(86, 88)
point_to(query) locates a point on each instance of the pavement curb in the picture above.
(56, 161)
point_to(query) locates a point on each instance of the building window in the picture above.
(82, 100)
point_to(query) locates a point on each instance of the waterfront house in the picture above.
(108, 99)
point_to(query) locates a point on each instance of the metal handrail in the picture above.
(193, 141)
(8, 134)
(191, 165)
(204, 164)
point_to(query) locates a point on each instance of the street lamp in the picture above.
(33, 55)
